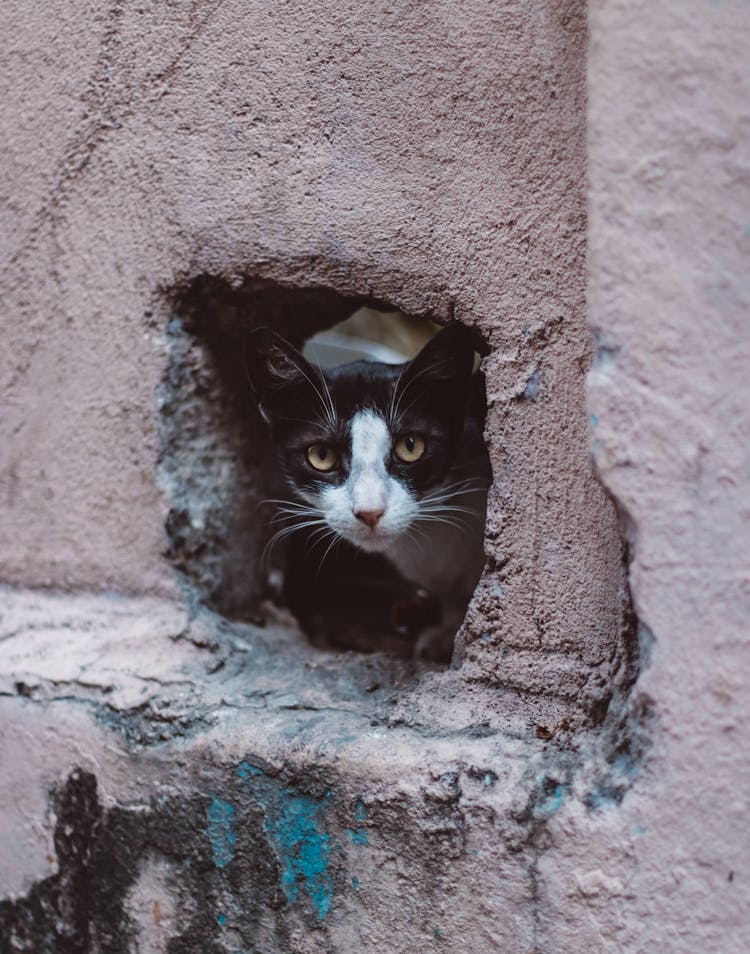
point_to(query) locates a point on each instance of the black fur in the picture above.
(428, 396)
(354, 600)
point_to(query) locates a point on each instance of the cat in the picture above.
(390, 459)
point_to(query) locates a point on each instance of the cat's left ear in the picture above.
(280, 376)
(446, 361)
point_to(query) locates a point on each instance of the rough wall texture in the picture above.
(422, 155)
(177, 783)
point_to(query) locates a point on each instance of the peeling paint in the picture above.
(554, 802)
(358, 836)
(295, 823)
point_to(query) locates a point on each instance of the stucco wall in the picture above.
(668, 298)
(428, 157)
(433, 157)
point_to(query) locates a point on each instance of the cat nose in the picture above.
(369, 517)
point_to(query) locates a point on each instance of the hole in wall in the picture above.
(218, 463)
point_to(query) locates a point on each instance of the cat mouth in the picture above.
(373, 539)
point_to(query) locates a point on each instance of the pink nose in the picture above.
(369, 517)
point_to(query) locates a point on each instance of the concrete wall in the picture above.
(175, 782)
(434, 163)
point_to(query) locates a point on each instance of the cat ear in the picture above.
(447, 358)
(280, 376)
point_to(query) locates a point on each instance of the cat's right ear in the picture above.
(279, 375)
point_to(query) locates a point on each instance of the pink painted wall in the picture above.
(440, 156)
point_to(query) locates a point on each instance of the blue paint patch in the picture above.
(304, 850)
(594, 420)
(221, 831)
(610, 792)
(554, 802)
(221, 920)
(639, 831)
(360, 812)
(437, 934)
(355, 884)
(598, 799)
(296, 825)
(626, 765)
(605, 356)
(358, 836)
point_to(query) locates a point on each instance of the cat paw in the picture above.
(435, 645)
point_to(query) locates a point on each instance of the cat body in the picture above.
(388, 458)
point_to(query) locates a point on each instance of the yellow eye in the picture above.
(409, 448)
(322, 457)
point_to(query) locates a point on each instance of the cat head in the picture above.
(365, 445)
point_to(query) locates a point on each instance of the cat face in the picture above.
(365, 446)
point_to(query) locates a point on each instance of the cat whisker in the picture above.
(447, 508)
(418, 536)
(336, 539)
(435, 518)
(291, 505)
(456, 489)
(442, 501)
(448, 521)
(322, 421)
(461, 486)
(437, 509)
(394, 412)
(284, 502)
(293, 514)
(287, 531)
(328, 407)
(322, 534)
(400, 413)
(286, 509)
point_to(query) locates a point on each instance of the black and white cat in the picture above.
(389, 458)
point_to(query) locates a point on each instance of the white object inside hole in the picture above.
(329, 349)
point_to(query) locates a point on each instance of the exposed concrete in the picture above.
(224, 787)
(182, 783)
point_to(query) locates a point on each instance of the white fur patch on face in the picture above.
(369, 488)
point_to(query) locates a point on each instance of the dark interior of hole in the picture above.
(218, 463)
